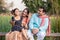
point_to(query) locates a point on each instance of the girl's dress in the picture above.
(17, 26)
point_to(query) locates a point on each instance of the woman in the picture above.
(17, 28)
(26, 17)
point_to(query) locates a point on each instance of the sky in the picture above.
(16, 4)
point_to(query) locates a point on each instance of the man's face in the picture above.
(40, 11)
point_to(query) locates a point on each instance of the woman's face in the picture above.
(17, 12)
(25, 13)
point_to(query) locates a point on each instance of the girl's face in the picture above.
(17, 12)
(25, 13)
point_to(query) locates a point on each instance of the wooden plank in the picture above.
(2, 33)
(52, 34)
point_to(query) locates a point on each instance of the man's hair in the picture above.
(44, 10)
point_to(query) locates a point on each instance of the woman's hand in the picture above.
(12, 22)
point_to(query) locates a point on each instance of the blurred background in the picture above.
(52, 7)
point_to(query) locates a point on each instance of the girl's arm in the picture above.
(12, 22)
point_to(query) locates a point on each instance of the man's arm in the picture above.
(31, 22)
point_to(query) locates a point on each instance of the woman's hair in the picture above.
(13, 11)
(27, 10)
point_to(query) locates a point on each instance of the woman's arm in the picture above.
(24, 23)
(12, 22)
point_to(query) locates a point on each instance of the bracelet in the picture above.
(39, 29)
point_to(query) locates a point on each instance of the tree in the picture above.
(2, 6)
(34, 4)
(55, 6)
(2, 2)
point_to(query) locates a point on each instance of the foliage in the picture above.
(3, 8)
(55, 9)
(34, 4)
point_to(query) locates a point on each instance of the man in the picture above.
(38, 24)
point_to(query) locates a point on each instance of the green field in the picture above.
(5, 25)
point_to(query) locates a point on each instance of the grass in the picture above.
(55, 27)
(4, 23)
(55, 24)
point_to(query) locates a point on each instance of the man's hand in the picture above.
(35, 31)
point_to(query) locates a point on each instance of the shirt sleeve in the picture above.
(31, 22)
(45, 26)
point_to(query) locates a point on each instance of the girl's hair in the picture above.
(27, 10)
(13, 11)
